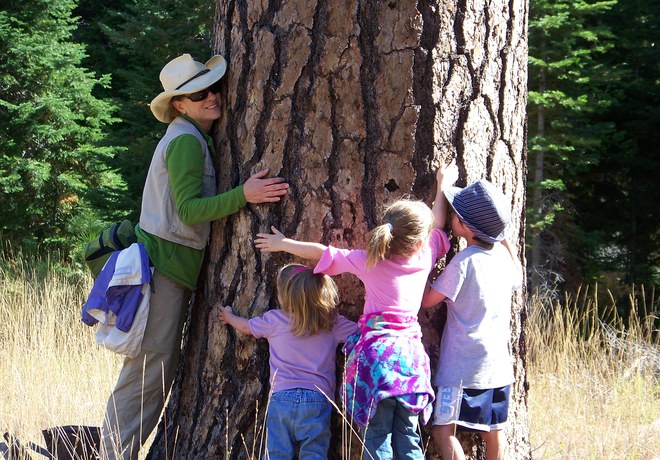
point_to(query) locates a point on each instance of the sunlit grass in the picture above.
(594, 378)
(594, 381)
(51, 370)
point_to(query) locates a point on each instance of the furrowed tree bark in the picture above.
(355, 103)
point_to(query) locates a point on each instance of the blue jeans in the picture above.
(298, 418)
(392, 431)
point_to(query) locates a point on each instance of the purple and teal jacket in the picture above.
(386, 359)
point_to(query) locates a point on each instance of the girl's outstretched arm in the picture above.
(227, 316)
(445, 177)
(276, 241)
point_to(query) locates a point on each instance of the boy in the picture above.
(475, 371)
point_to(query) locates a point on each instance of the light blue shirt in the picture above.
(474, 350)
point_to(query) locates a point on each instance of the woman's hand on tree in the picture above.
(258, 189)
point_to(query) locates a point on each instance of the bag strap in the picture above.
(114, 235)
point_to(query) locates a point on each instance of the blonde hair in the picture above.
(405, 224)
(308, 298)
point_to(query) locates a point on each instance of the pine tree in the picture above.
(618, 200)
(52, 124)
(568, 90)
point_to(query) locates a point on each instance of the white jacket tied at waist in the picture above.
(121, 324)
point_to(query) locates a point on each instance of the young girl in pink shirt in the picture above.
(387, 379)
(302, 338)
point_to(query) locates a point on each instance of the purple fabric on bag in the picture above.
(121, 300)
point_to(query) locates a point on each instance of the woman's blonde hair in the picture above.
(405, 224)
(309, 299)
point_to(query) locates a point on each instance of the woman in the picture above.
(178, 204)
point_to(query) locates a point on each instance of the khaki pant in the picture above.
(137, 401)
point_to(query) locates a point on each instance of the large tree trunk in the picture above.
(355, 103)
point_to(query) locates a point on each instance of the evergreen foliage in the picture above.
(567, 91)
(593, 142)
(619, 199)
(52, 126)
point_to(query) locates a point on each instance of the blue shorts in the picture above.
(472, 410)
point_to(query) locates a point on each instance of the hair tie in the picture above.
(298, 270)
(389, 226)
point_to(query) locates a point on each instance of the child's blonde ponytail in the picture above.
(407, 224)
(378, 246)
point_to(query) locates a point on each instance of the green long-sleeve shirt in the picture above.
(185, 166)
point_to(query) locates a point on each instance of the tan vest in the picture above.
(159, 216)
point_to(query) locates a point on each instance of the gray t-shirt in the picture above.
(474, 351)
(306, 361)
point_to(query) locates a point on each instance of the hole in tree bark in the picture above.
(392, 186)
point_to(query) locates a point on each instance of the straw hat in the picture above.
(184, 75)
(483, 208)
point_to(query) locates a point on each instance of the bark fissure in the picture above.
(266, 19)
(424, 154)
(488, 102)
(270, 88)
(237, 113)
(504, 56)
(224, 251)
(333, 169)
(459, 142)
(510, 54)
(459, 33)
(368, 22)
(318, 37)
(461, 58)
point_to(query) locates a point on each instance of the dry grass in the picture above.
(52, 372)
(595, 389)
(594, 382)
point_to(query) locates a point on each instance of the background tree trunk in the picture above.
(355, 103)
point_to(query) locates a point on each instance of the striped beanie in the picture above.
(483, 208)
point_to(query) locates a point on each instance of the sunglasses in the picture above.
(203, 94)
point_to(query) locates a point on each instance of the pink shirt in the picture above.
(306, 361)
(392, 285)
